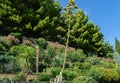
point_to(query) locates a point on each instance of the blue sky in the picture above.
(104, 13)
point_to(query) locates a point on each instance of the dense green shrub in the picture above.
(5, 80)
(21, 49)
(17, 49)
(107, 64)
(51, 52)
(2, 49)
(57, 61)
(85, 65)
(5, 42)
(8, 64)
(77, 64)
(116, 57)
(110, 75)
(101, 74)
(41, 42)
(117, 68)
(81, 68)
(20, 77)
(42, 55)
(69, 75)
(55, 71)
(77, 55)
(84, 79)
(95, 72)
(12, 40)
(16, 35)
(44, 76)
(6, 58)
(93, 60)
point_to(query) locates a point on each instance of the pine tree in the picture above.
(83, 34)
(39, 17)
(117, 45)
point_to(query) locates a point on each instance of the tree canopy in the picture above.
(45, 18)
(39, 17)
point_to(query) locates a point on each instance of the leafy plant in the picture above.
(41, 42)
(16, 35)
(56, 61)
(110, 75)
(12, 40)
(84, 79)
(101, 74)
(20, 77)
(8, 64)
(17, 49)
(96, 72)
(5, 42)
(44, 76)
(69, 75)
(2, 49)
(77, 55)
(55, 71)
(93, 60)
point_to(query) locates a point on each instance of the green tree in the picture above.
(116, 54)
(39, 17)
(83, 34)
(39, 44)
(117, 45)
(107, 50)
(25, 59)
(9, 19)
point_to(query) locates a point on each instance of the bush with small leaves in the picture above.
(84, 79)
(95, 72)
(56, 62)
(44, 76)
(20, 77)
(15, 50)
(103, 75)
(41, 42)
(5, 42)
(69, 75)
(2, 49)
(85, 65)
(77, 55)
(13, 40)
(117, 68)
(5, 80)
(110, 76)
(93, 60)
(55, 71)
(16, 35)
(107, 64)
(51, 52)
(8, 64)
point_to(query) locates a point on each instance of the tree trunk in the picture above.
(37, 60)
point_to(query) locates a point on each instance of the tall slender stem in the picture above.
(66, 47)
(37, 60)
